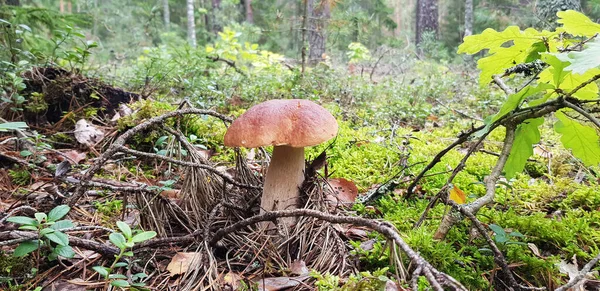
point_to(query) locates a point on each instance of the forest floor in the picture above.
(142, 213)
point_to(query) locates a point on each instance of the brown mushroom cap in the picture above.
(293, 122)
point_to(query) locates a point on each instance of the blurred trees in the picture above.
(125, 28)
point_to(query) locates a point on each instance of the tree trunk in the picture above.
(13, 2)
(317, 33)
(427, 18)
(216, 7)
(307, 4)
(191, 24)
(248, 11)
(62, 6)
(166, 14)
(468, 17)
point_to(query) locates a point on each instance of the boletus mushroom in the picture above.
(289, 126)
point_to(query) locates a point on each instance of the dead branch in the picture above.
(229, 63)
(188, 164)
(583, 112)
(17, 210)
(120, 141)
(498, 256)
(498, 81)
(464, 136)
(17, 236)
(586, 269)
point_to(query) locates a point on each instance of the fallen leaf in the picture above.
(74, 156)
(181, 262)
(63, 286)
(278, 283)
(542, 152)
(368, 245)
(342, 191)
(535, 250)
(87, 134)
(170, 193)
(231, 281)
(298, 267)
(457, 195)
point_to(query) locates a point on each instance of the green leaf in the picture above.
(40, 217)
(581, 139)
(118, 240)
(584, 60)
(146, 235)
(6, 126)
(103, 271)
(25, 153)
(29, 227)
(119, 283)
(565, 80)
(59, 238)
(128, 254)
(46, 231)
(64, 251)
(502, 56)
(497, 229)
(577, 24)
(120, 265)
(125, 229)
(23, 220)
(58, 212)
(117, 276)
(62, 224)
(526, 135)
(25, 248)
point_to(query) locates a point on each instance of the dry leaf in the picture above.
(278, 283)
(457, 195)
(342, 191)
(181, 262)
(63, 286)
(535, 250)
(298, 267)
(87, 134)
(542, 152)
(231, 281)
(74, 156)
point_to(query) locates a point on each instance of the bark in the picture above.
(166, 14)
(320, 13)
(191, 23)
(216, 7)
(468, 17)
(427, 18)
(307, 4)
(248, 11)
(62, 6)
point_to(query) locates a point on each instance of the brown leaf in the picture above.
(342, 191)
(74, 156)
(87, 134)
(278, 283)
(170, 193)
(298, 267)
(231, 281)
(181, 262)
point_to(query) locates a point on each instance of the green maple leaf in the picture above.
(584, 60)
(577, 24)
(526, 135)
(581, 139)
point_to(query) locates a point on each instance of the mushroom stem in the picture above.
(285, 175)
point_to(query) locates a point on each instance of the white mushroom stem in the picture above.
(284, 178)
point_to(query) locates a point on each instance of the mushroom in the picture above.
(288, 125)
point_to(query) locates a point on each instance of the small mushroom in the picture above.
(288, 125)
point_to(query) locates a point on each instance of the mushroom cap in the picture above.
(290, 122)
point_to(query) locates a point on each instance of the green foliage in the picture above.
(358, 53)
(125, 241)
(48, 226)
(558, 78)
(20, 177)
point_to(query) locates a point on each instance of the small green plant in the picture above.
(325, 282)
(503, 238)
(110, 207)
(357, 53)
(48, 226)
(124, 240)
(20, 177)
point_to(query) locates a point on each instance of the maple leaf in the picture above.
(526, 135)
(581, 139)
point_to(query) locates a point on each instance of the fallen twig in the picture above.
(586, 269)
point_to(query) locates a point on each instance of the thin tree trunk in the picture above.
(95, 25)
(191, 24)
(319, 17)
(427, 18)
(62, 6)
(307, 4)
(70, 7)
(248, 9)
(166, 14)
(216, 7)
(468, 17)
